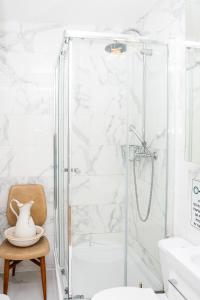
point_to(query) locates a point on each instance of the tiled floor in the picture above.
(27, 286)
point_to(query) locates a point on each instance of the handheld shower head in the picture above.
(133, 129)
(144, 149)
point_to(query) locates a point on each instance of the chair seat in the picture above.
(10, 252)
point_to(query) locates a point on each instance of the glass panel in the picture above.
(147, 164)
(192, 104)
(100, 88)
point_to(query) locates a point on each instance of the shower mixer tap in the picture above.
(143, 150)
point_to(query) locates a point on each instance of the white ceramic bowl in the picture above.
(23, 242)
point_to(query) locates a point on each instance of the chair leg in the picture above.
(6, 276)
(43, 275)
(13, 271)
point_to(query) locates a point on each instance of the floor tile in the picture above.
(27, 286)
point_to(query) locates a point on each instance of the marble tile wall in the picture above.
(192, 105)
(165, 20)
(185, 170)
(26, 115)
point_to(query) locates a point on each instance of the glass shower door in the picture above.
(98, 175)
(148, 164)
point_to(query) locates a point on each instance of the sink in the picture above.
(196, 259)
(186, 263)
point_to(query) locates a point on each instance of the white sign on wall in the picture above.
(195, 213)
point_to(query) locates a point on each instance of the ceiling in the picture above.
(117, 13)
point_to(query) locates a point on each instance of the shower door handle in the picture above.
(72, 170)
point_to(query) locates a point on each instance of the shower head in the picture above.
(116, 48)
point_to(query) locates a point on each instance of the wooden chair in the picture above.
(14, 255)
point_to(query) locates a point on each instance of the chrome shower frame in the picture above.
(122, 37)
(65, 50)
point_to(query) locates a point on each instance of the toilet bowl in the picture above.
(130, 293)
(126, 293)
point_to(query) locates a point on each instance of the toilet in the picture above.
(4, 297)
(130, 293)
(126, 293)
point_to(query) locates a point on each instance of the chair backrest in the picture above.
(25, 193)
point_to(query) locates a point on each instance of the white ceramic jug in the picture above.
(25, 226)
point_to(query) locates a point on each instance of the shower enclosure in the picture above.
(110, 152)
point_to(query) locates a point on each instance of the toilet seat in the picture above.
(126, 293)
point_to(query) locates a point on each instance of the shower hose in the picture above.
(143, 219)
